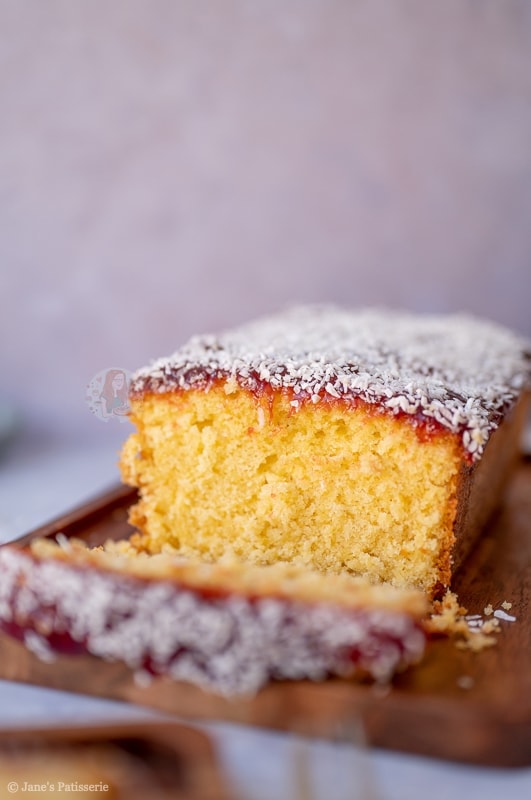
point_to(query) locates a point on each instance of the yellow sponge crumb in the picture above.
(330, 486)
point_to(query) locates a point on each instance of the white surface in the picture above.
(38, 481)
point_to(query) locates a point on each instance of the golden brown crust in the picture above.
(231, 577)
(481, 484)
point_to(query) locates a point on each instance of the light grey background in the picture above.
(169, 167)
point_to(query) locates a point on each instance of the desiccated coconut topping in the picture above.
(463, 372)
(231, 644)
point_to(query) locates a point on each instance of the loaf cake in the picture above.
(226, 627)
(306, 483)
(371, 443)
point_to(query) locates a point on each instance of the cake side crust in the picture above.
(482, 484)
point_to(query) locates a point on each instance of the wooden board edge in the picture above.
(325, 710)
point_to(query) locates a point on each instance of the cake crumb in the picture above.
(448, 616)
(491, 626)
(470, 631)
(506, 605)
(488, 610)
(477, 642)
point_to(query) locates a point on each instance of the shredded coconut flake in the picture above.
(63, 542)
(499, 614)
(462, 372)
(229, 644)
(465, 682)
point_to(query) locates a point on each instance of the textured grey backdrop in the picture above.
(168, 167)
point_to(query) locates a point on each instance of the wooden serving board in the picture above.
(425, 711)
(155, 760)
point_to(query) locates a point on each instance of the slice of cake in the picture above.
(226, 628)
(371, 443)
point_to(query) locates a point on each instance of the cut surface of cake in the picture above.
(373, 443)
